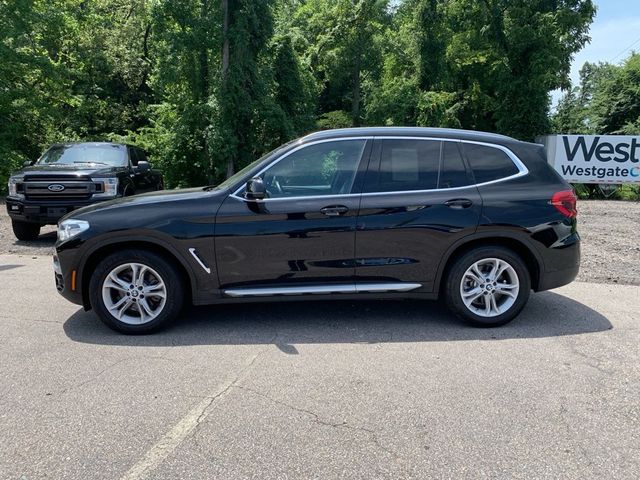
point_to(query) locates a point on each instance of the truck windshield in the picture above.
(112, 155)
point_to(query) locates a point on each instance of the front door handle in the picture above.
(334, 210)
(459, 203)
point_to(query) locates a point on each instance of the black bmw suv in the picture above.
(475, 218)
(71, 175)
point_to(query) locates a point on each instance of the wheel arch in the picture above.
(94, 257)
(527, 252)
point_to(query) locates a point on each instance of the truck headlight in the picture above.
(70, 228)
(13, 187)
(109, 187)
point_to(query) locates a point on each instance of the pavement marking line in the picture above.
(174, 437)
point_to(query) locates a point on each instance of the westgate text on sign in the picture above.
(594, 158)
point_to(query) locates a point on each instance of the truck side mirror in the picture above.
(255, 189)
(143, 167)
(27, 163)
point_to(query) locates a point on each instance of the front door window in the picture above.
(327, 168)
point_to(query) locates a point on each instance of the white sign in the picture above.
(595, 158)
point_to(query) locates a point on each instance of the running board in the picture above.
(322, 289)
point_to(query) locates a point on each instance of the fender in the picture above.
(128, 188)
(145, 237)
(520, 236)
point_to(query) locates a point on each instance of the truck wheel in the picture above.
(488, 286)
(136, 292)
(25, 230)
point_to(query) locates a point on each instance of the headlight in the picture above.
(109, 187)
(13, 187)
(70, 228)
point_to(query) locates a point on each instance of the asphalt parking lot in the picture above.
(319, 390)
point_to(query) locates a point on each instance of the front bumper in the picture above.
(66, 275)
(43, 213)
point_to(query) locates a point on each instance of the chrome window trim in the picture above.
(522, 169)
(300, 147)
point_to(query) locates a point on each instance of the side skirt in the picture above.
(321, 289)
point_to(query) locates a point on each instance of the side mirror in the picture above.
(27, 163)
(143, 167)
(255, 189)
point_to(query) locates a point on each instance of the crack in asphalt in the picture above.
(589, 360)
(94, 377)
(373, 435)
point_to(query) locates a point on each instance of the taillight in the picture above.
(565, 202)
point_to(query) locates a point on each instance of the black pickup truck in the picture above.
(71, 175)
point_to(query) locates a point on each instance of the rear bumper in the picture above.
(562, 265)
(558, 278)
(42, 213)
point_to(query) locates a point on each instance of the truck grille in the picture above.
(58, 189)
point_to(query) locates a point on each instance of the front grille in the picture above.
(58, 190)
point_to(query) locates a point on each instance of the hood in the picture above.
(71, 170)
(147, 199)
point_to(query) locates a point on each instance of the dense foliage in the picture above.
(208, 85)
(606, 102)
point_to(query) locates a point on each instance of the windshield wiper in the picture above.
(93, 163)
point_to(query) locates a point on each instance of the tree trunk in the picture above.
(225, 40)
(203, 57)
(355, 101)
(225, 65)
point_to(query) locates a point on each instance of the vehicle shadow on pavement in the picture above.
(42, 246)
(548, 314)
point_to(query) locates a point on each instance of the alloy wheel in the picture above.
(489, 287)
(134, 293)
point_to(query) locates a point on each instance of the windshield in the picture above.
(241, 173)
(112, 155)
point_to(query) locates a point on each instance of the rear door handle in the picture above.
(334, 210)
(459, 203)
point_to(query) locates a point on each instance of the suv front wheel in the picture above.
(488, 286)
(135, 291)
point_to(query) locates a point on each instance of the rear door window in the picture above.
(488, 163)
(453, 172)
(407, 165)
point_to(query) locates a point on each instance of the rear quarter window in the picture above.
(489, 163)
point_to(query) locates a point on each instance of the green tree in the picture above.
(607, 100)
(340, 47)
(34, 83)
(514, 52)
(247, 29)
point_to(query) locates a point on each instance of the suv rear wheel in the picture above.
(135, 291)
(25, 230)
(488, 286)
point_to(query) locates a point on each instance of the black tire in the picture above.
(167, 272)
(453, 282)
(25, 230)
